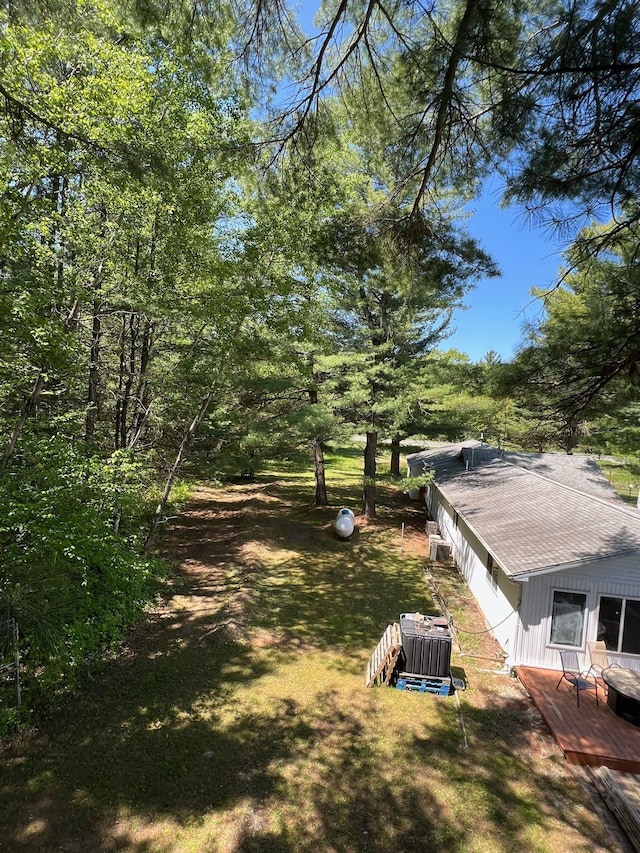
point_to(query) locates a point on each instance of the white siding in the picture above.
(499, 605)
(617, 578)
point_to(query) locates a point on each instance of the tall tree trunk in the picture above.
(134, 328)
(181, 455)
(28, 407)
(318, 460)
(321, 484)
(369, 491)
(141, 413)
(395, 456)
(141, 401)
(94, 373)
(120, 393)
(31, 402)
(175, 468)
(93, 392)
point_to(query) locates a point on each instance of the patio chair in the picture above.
(599, 657)
(577, 679)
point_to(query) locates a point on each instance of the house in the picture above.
(549, 550)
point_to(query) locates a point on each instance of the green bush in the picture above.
(73, 577)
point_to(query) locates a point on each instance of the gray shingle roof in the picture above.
(534, 511)
(579, 472)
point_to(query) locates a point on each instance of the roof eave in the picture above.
(564, 567)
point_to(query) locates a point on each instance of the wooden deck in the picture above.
(591, 735)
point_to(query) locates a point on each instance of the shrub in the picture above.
(71, 580)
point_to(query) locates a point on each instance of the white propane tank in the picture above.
(345, 523)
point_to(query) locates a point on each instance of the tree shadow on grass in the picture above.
(153, 735)
(167, 735)
(345, 606)
(332, 593)
(352, 798)
(318, 589)
(364, 795)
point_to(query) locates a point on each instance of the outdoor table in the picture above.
(623, 695)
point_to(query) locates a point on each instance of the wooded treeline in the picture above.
(222, 242)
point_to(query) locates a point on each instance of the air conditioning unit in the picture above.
(444, 553)
(439, 550)
(434, 541)
(432, 529)
(426, 645)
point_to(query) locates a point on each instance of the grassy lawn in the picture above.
(237, 719)
(624, 476)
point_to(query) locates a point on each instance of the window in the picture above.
(456, 518)
(619, 624)
(567, 618)
(492, 572)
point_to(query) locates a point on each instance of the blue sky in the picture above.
(496, 309)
